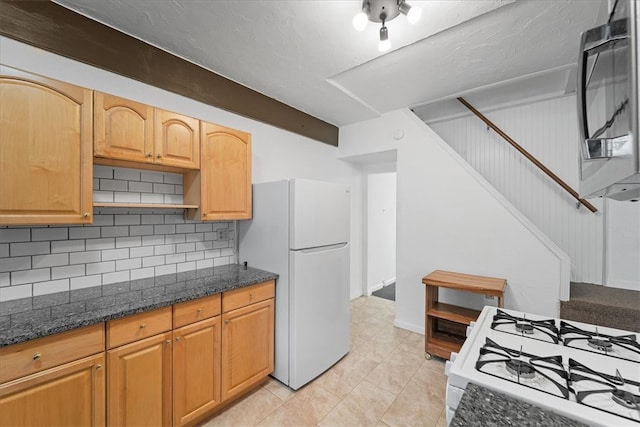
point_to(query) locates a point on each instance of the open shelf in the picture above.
(142, 205)
(446, 324)
(452, 340)
(454, 313)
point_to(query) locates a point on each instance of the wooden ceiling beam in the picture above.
(51, 27)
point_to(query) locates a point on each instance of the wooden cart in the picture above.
(446, 324)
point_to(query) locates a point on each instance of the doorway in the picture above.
(377, 181)
(381, 234)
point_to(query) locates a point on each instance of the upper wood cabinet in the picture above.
(223, 185)
(134, 132)
(123, 129)
(46, 172)
(177, 140)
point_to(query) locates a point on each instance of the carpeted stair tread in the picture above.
(600, 305)
(597, 294)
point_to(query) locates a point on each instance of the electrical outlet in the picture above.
(223, 234)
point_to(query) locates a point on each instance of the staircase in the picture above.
(600, 305)
(548, 131)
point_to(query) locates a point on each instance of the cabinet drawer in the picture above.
(138, 326)
(26, 358)
(196, 310)
(249, 295)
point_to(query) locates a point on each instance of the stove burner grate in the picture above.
(604, 391)
(626, 399)
(622, 347)
(600, 344)
(545, 374)
(524, 327)
(541, 330)
(520, 368)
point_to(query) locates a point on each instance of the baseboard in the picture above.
(380, 285)
(388, 281)
(419, 329)
(623, 284)
(375, 288)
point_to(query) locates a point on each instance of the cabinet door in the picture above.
(177, 140)
(196, 370)
(226, 173)
(72, 394)
(247, 347)
(46, 171)
(123, 129)
(139, 383)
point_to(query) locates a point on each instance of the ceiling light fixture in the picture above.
(384, 11)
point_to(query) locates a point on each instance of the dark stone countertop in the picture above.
(481, 407)
(39, 316)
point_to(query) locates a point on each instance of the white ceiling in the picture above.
(306, 53)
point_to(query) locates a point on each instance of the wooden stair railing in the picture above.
(528, 155)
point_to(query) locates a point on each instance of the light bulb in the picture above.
(384, 44)
(414, 14)
(360, 21)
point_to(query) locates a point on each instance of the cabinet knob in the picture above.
(143, 325)
(149, 155)
(250, 297)
(226, 322)
(178, 338)
(86, 215)
(37, 356)
(98, 367)
(158, 156)
(167, 342)
(200, 310)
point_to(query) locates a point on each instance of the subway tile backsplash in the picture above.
(120, 245)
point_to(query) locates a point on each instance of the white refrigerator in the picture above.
(300, 230)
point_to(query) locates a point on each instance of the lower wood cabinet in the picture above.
(72, 394)
(196, 370)
(139, 383)
(170, 366)
(247, 347)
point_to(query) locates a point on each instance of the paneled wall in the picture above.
(120, 245)
(548, 130)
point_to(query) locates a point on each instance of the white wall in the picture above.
(548, 130)
(623, 244)
(449, 218)
(277, 154)
(381, 230)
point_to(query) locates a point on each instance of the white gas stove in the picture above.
(585, 372)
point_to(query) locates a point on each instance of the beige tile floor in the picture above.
(383, 381)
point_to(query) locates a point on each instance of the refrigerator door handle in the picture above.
(322, 248)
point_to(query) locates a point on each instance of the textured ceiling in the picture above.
(306, 53)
